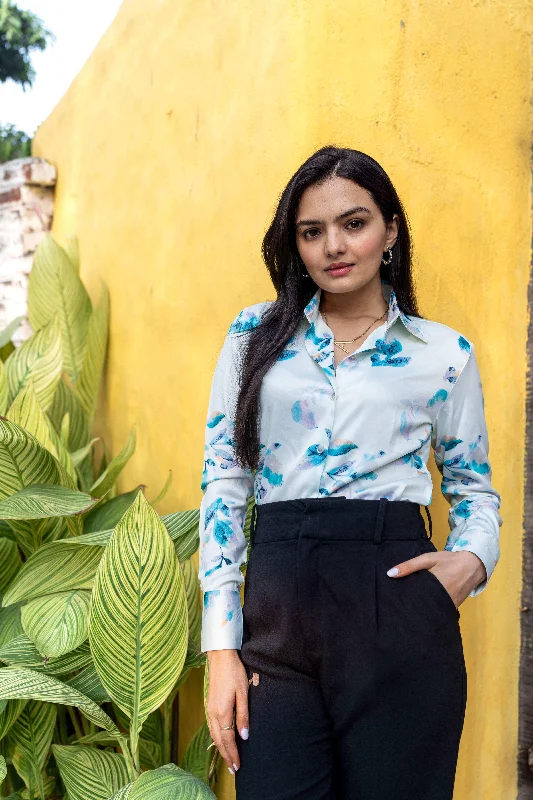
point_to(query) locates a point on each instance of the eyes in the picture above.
(352, 225)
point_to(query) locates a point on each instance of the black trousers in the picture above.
(360, 686)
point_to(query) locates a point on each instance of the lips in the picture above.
(339, 268)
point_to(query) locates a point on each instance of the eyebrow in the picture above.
(354, 210)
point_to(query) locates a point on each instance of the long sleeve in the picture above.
(461, 448)
(226, 488)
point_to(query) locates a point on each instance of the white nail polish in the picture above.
(244, 733)
(235, 767)
(393, 571)
(231, 771)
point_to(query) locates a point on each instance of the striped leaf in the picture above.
(49, 783)
(54, 287)
(27, 684)
(40, 501)
(40, 360)
(106, 515)
(57, 623)
(73, 251)
(197, 757)
(28, 414)
(10, 624)
(10, 562)
(167, 783)
(21, 652)
(138, 620)
(3, 768)
(61, 563)
(89, 773)
(29, 742)
(184, 531)
(194, 599)
(94, 357)
(66, 401)
(4, 390)
(78, 456)
(108, 478)
(87, 682)
(6, 334)
(9, 715)
(122, 794)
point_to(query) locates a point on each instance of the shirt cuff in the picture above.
(478, 541)
(222, 620)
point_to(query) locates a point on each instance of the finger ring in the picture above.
(228, 728)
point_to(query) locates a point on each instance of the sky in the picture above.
(78, 25)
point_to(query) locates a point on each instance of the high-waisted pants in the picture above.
(360, 682)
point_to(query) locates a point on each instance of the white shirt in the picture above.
(363, 430)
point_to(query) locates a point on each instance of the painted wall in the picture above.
(172, 146)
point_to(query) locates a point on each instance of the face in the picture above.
(338, 223)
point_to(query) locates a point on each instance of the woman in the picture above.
(345, 666)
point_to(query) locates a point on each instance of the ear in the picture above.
(392, 231)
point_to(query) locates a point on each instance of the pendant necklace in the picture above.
(340, 342)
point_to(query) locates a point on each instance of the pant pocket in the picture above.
(434, 584)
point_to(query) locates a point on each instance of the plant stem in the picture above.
(75, 722)
(175, 714)
(123, 742)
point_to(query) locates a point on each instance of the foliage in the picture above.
(21, 33)
(99, 619)
(13, 143)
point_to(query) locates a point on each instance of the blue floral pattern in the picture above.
(347, 429)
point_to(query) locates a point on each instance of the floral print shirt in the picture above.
(363, 429)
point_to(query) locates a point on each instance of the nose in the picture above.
(334, 242)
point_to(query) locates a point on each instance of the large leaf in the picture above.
(10, 562)
(21, 652)
(106, 515)
(66, 401)
(197, 757)
(3, 768)
(23, 462)
(10, 624)
(194, 599)
(29, 742)
(27, 412)
(62, 564)
(26, 684)
(4, 389)
(94, 358)
(88, 682)
(138, 622)
(166, 783)
(54, 287)
(40, 501)
(108, 478)
(9, 715)
(73, 251)
(88, 773)
(57, 623)
(38, 359)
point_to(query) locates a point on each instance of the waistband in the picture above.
(339, 518)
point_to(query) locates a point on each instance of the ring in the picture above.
(228, 728)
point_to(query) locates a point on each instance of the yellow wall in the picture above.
(173, 144)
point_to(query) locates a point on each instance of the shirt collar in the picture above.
(394, 311)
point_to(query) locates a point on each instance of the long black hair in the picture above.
(286, 268)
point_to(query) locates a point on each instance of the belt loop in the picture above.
(253, 524)
(380, 518)
(426, 509)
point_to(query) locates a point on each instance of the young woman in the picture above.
(344, 670)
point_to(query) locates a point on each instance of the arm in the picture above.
(461, 448)
(226, 488)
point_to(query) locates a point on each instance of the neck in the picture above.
(367, 301)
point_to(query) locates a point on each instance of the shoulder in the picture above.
(445, 339)
(249, 318)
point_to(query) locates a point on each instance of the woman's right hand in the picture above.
(228, 690)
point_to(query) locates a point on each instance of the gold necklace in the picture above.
(340, 342)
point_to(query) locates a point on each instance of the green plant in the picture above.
(21, 33)
(13, 143)
(100, 620)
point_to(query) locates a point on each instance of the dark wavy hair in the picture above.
(286, 268)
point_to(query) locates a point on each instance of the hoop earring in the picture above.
(306, 275)
(386, 263)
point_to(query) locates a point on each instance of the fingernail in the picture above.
(393, 571)
(244, 733)
(235, 767)
(230, 770)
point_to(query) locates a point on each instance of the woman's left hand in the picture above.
(459, 572)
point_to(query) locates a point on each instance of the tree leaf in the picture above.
(29, 742)
(167, 783)
(40, 360)
(88, 682)
(40, 501)
(94, 356)
(58, 622)
(55, 288)
(138, 621)
(10, 562)
(26, 684)
(21, 652)
(89, 773)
